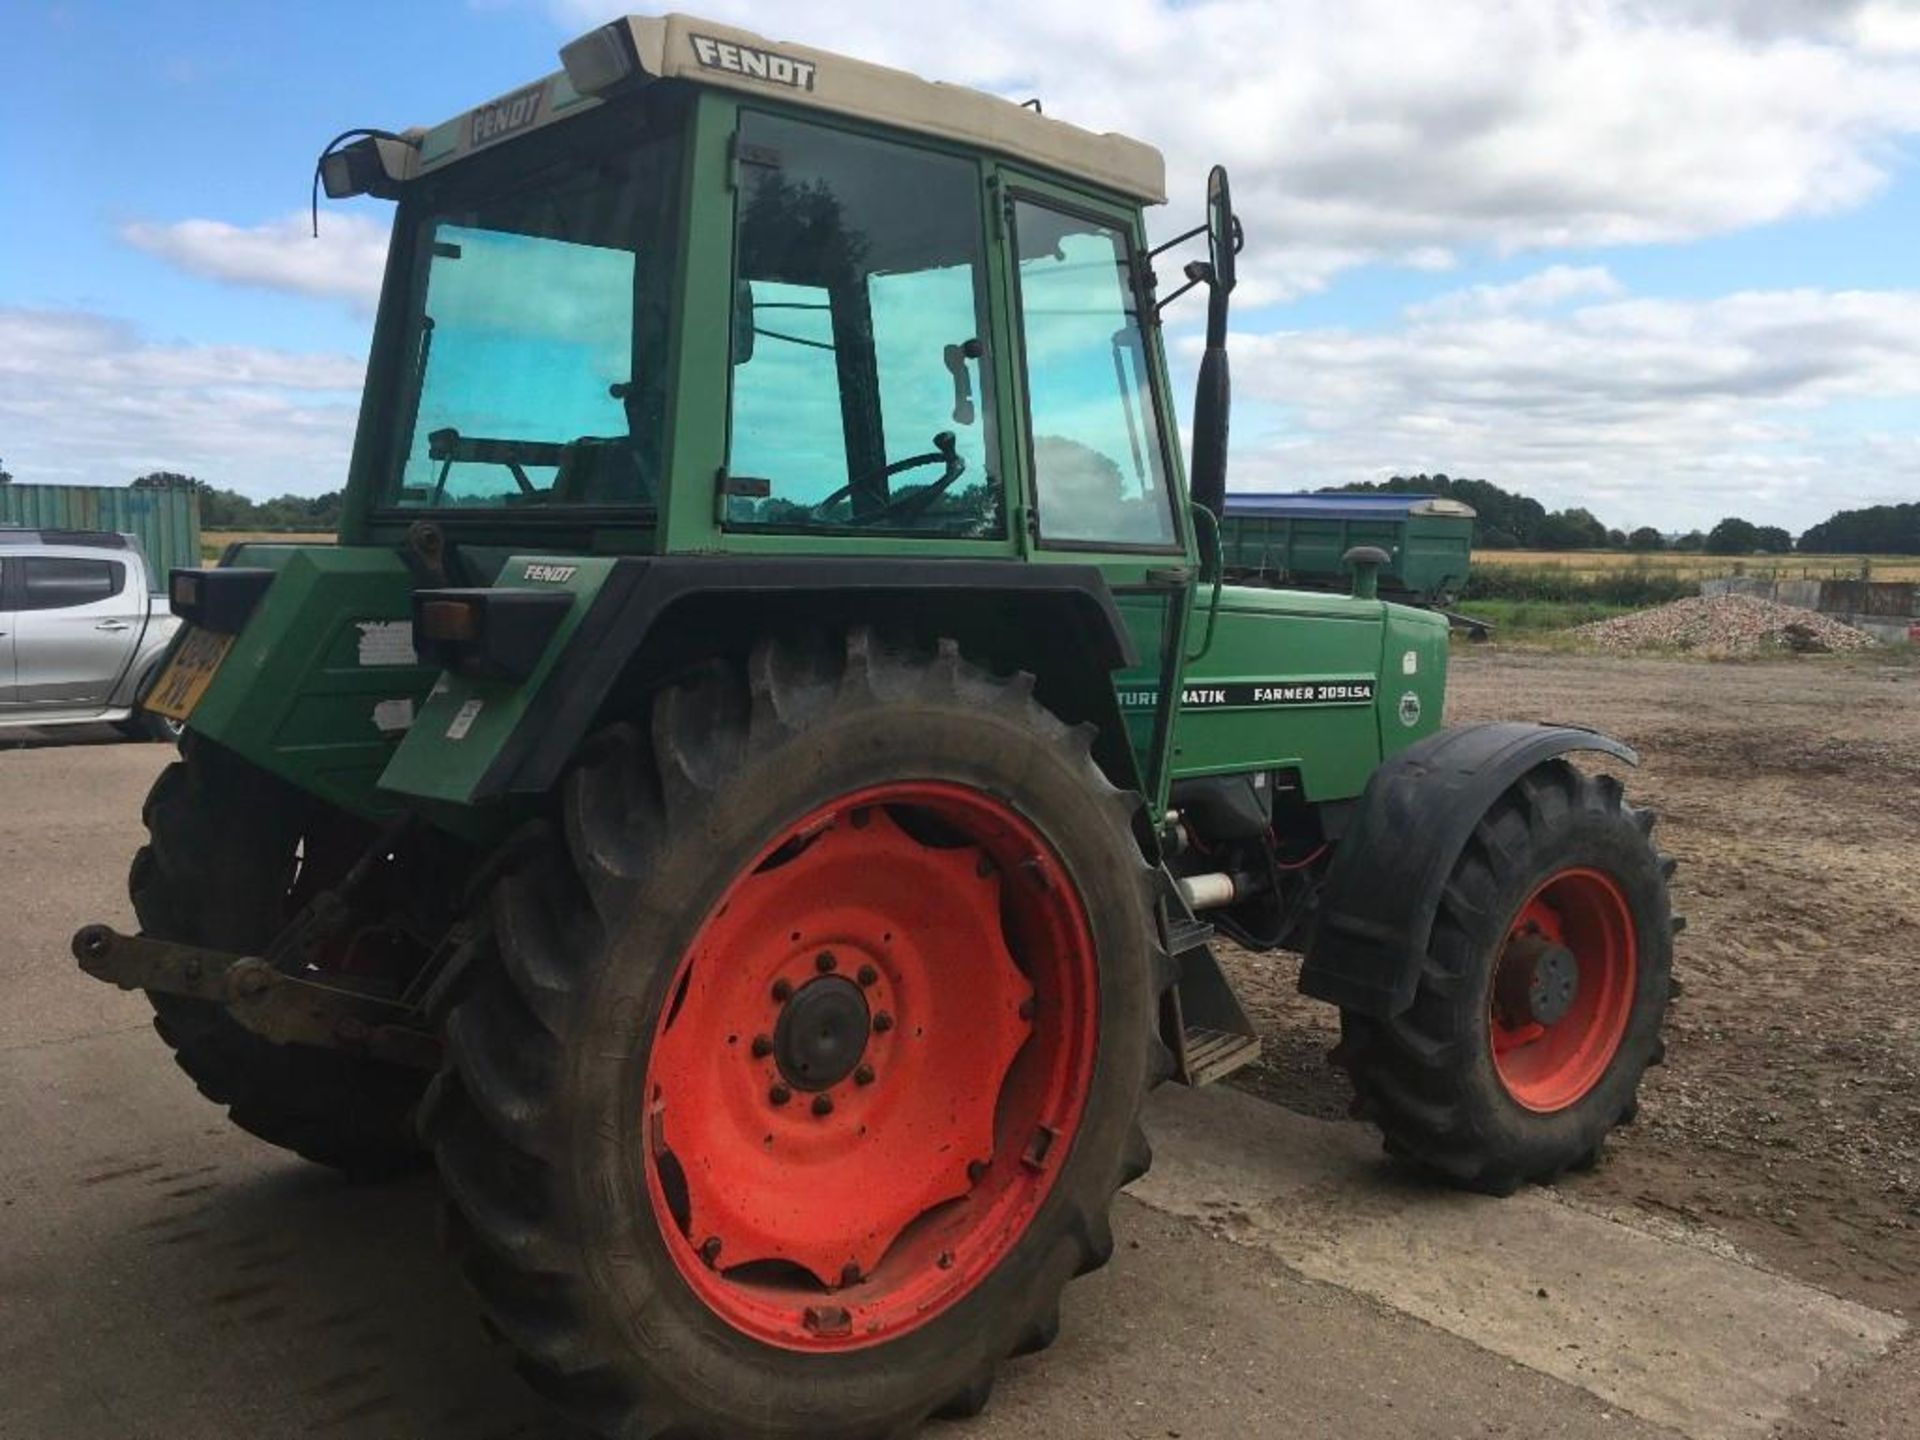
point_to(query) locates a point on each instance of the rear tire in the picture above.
(1462, 1086)
(558, 1123)
(217, 871)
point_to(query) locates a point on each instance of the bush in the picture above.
(1637, 586)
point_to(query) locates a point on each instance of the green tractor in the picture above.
(749, 795)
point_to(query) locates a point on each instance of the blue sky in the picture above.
(1660, 257)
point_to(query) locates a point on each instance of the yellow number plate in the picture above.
(188, 674)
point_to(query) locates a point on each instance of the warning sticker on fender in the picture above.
(463, 719)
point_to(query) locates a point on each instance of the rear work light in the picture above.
(217, 600)
(488, 634)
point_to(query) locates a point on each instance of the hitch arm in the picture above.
(285, 1009)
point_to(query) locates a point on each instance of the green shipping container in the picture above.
(167, 522)
(1298, 541)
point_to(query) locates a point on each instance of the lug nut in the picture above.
(868, 975)
(823, 1104)
(976, 1171)
(762, 1046)
(782, 988)
(824, 961)
(710, 1250)
(850, 1274)
(1026, 1008)
(779, 1095)
(863, 1076)
(882, 1023)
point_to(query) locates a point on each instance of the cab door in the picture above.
(1099, 461)
(75, 624)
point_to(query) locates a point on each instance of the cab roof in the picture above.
(638, 49)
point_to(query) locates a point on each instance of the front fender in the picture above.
(1412, 822)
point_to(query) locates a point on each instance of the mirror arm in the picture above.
(1177, 240)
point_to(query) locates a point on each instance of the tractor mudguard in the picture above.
(1411, 824)
(653, 615)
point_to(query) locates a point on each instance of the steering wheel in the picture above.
(907, 506)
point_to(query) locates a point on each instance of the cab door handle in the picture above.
(113, 625)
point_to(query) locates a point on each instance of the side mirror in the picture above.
(1223, 231)
(743, 321)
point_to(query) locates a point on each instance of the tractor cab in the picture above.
(700, 293)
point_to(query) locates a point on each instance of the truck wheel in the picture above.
(813, 1054)
(146, 725)
(218, 869)
(1541, 996)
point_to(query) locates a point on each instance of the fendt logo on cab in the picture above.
(759, 64)
(502, 118)
(552, 574)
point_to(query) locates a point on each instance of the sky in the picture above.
(1660, 258)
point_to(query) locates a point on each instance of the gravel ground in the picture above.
(1788, 1114)
(1725, 625)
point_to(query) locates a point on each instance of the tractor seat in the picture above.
(601, 471)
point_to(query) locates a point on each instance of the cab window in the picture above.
(858, 333)
(1099, 464)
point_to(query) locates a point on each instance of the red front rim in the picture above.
(871, 1066)
(1549, 1066)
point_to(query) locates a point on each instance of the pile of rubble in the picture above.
(1725, 625)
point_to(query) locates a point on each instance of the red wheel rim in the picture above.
(1549, 1066)
(835, 1180)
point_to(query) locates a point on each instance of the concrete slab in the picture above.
(1674, 1334)
(163, 1277)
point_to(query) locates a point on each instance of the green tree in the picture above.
(1733, 536)
(1646, 538)
(1773, 540)
(1693, 542)
(1876, 530)
(6, 475)
(166, 480)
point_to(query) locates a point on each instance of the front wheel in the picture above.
(1540, 999)
(813, 1054)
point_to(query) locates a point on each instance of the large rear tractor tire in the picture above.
(219, 870)
(1541, 997)
(812, 1053)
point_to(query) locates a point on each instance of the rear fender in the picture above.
(638, 621)
(1412, 822)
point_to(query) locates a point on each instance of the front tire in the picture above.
(698, 1183)
(1541, 997)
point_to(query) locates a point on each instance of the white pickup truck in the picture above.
(81, 630)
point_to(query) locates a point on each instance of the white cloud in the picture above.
(1409, 131)
(1543, 290)
(1646, 411)
(88, 400)
(344, 263)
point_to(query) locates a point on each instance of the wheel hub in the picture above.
(822, 1033)
(1563, 989)
(1538, 981)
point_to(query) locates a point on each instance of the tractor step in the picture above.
(1212, 1055)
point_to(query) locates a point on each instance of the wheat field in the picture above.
(1701, 567)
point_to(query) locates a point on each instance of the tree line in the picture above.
(1506, 520)
(230, 510)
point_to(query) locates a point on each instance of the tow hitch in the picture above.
(285, 1009)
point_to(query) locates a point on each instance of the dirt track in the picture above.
(1788, 1114)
